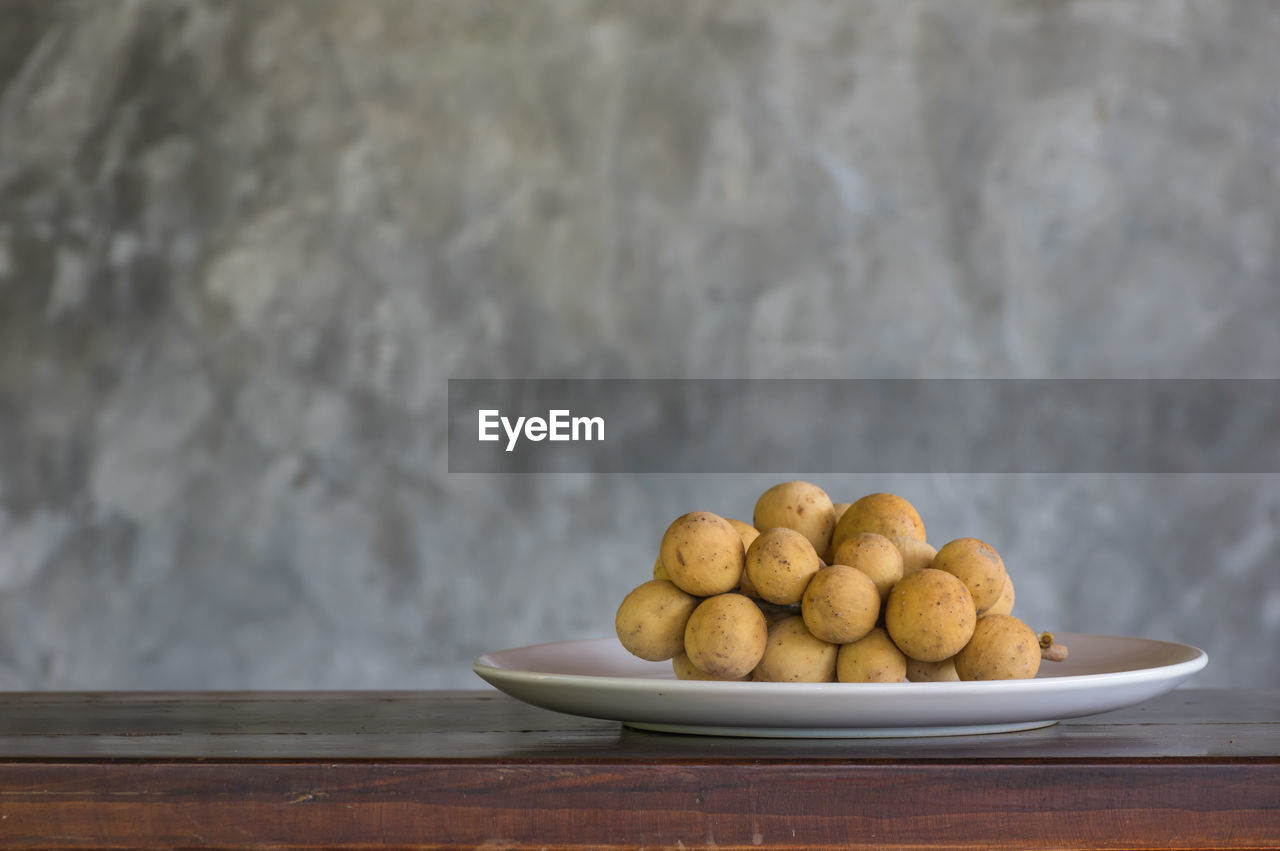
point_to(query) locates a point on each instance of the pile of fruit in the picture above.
(813, 591)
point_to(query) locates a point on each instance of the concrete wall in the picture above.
(244, 244)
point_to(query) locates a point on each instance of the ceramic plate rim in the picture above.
(648, 696)
(486, 663)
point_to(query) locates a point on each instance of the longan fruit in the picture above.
(931, 672)
(883, 513)
(686, 670)
(725, 636)
(747, 532)
(780, 564)
(794, 655)
(874, 555)
(801, 506)
(651, 620)
(702, 553)
(840, 509)
(976, 564)
(1002, 648)
(1004, 605)
(840, 604)
(874, 658)
(916, 554)
(930, 615)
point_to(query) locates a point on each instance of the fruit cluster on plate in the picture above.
(814, 591)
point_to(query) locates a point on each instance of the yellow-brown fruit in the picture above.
(802, 506)
(930, 615)
(875, 555)
(1002, 648)
(931, 672)
(650, 621)
(794, 655)
(916, 554)
(840, 509)
(1004, 605)
(702, 553)
(977, 564)
(746, 531)
(780, 564)
(840, 604)
(871, 659)
(749, 533)
(883, 513)
(725, 636)
(686, 670)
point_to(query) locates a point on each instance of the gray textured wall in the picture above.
(244, 244)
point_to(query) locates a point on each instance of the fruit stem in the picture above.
(1049, 651)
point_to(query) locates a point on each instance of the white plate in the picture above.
(598, 678)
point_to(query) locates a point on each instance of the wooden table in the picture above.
(1194, 768)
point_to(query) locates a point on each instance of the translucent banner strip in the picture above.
(813, 426)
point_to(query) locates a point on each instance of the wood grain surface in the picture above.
(1192, 769)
